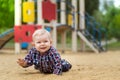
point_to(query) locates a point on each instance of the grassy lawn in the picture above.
(114, 46)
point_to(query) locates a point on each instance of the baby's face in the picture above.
(42, 43)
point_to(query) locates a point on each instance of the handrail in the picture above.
(94, 28)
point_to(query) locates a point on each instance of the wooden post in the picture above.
(63, 40)
(63, 21)
(54, 33)
(74, 32)
(82, 21)
(17, 22)
(39, 12)
(62, 12)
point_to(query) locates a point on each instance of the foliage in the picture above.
(6, 14)
(98, 16)
(112, 22)
(91, 6)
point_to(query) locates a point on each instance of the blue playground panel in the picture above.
(24, 45)
(48, 29)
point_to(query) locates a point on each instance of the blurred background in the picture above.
(105, 12)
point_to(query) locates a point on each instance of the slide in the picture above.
(5, 37)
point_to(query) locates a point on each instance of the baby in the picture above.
(44, 56)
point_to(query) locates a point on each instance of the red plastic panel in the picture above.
(24, 33)
(48, 10)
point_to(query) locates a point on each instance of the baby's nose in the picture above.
(42, 43)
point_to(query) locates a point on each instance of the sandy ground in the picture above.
(86, 66)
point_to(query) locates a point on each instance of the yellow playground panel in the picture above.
(70, 18)
(28, 12)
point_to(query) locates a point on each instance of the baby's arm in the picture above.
(28, 60)
(57, 64)
(22, 63)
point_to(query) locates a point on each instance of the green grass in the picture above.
(114, 46)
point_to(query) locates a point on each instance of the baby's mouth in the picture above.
(43, 48)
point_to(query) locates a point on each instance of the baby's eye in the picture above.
(38, 42)
(45, 41)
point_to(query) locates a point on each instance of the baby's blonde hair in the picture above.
(40, 32)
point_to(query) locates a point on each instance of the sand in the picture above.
(85, 66)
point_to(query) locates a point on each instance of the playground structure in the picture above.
(35, 14)
(5, 37)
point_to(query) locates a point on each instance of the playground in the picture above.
(86, 48)
(72, 19)
(86, 66)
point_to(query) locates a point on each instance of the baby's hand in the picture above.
(22, 62)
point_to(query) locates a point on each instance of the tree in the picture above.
(6, 14)
(91, 6)
(112, 22)
(109, 18)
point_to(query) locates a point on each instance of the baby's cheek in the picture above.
(37, 47)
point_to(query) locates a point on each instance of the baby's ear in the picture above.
(51, 42)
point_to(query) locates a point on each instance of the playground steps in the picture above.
(95, 33)
(5, 37)
(94, 44)
(87, 42)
